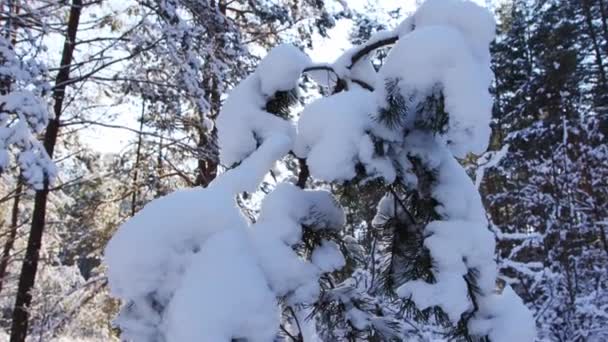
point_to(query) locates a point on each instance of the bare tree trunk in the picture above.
(159, 169)
(604, 16)
(596, 46)
(10, 240)
(207, 165)
(29, 268)
(137, 160)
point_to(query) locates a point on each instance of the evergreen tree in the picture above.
(549, 243)
(392, 144)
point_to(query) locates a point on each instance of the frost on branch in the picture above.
(23, 114)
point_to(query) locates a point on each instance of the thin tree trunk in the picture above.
(596, 46)
(207, 166)
(137, 160)
(29, 268)
(159, 170)
(604, 16)
(10, 240)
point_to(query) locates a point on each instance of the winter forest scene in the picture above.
(303, 170)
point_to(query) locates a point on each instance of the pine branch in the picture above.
(281, 102)
(364, 50)
(394, 114)
(431, 114)
(340, 82)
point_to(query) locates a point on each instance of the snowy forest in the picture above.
(303, 170)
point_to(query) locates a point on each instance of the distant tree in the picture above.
(549, 74)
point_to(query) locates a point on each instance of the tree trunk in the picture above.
(10, 240)
(596, 46)
(32, 254)
(207, 165)
(137, 160)
(604, 16)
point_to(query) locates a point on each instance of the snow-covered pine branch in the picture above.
(191, 267)
(23, 115)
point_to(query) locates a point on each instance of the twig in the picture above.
(287, 333)
(340, 82)
(293, 313)
(366, 49)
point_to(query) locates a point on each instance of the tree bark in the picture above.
(10, 240)
(137, 160)
(596, 46)
(207, 140)
(29, 268)
(604, 16)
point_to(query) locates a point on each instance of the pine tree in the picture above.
(548, 242)
(201, 50)
(428, 269)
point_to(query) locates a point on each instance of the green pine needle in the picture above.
(393, 116)
(431, 114)
(281, 102)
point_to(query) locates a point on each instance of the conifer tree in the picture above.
(549, 116)
(389, 138)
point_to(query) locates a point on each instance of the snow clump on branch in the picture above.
(201, 271)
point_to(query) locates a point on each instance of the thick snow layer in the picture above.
(474, 22)
(332, 135)
(328, 257)
(150, 254)
(195, 253)
(28, 107)
(223, 295)
(443, 58)
(250, 173)
(315, 208)
(455, 247)
(449, 293)
(167, 232)
(503, 317)
(201, 272)
(279, 227)
(281, 69)
(243, 124)
(285, 270)
(460, 241)
(194, 244)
